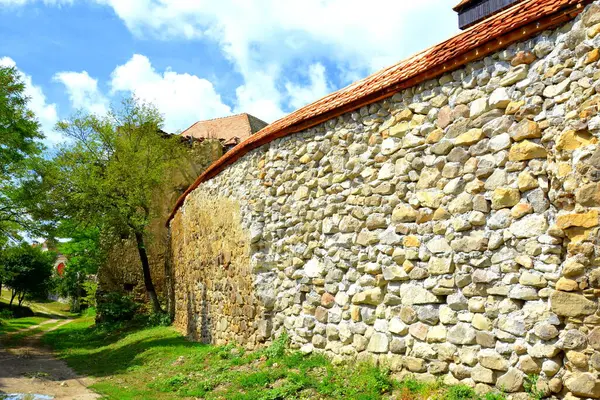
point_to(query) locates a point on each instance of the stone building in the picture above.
(230, 131)
(440, 217)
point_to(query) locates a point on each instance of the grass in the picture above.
(47, 308)
(17, 338)
(16, 324)
(136, 362)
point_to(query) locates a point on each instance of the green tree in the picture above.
(110, 172)
(28, 271)
(84, 254)
(20, 150)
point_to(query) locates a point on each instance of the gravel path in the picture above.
(29, 367)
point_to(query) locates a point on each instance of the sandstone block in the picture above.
(588, 195)
(526, 181)
(511, 381)
(572, 140)
(583, 385)
(371, 296)
(526, 150)
(529, 226)
(526, 129)
(470, 137)
(567, 285)
(440, 266)
(505, 197)
(489, 358)
(461, 334)
(571, 304)
(378, 343)
(582, 220)
(414, 294)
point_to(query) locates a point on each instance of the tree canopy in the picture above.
(109, 173)
(20, 150)
(27, 270)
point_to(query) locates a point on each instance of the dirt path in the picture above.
(30, 368)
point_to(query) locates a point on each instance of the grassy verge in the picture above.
(48, 308)
(17, 338)
(158, 363)
(16, 324)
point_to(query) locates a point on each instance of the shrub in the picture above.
(278, 347)
(6, 314)
(115, 307)
(530, 386)
(461, 392)
(159, 319)
(90, 288)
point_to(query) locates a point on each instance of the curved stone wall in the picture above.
(451, 230)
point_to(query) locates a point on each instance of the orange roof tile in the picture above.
(516, 23)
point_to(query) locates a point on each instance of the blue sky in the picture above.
(200, 59)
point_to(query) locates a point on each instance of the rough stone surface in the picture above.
(449, 230)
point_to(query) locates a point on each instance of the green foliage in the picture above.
(461, 392)
(494, 396)
(530, 386)
(90, 288)
(5, 314)
(27, 271)
(383, 383)
(278, 347)
(113, 167)
(159, 319)
(115, 307)
(112, 170)
(158, 363)
(20, 151)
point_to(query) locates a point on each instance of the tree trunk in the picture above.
(12, 297)
(169, 282)
(139, 238)
(21, 298)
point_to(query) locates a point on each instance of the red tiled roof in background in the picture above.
(230, 129)
(516, 23)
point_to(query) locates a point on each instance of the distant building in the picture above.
(228, 130)
(61, 259)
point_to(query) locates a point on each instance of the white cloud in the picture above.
(182, 98)
(46, 113)
(286, 36)
(318, 87)
(270, 41)
(83, 91)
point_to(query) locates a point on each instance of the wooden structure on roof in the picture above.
(471, 12)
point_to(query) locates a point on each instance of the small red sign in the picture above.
(60, 268)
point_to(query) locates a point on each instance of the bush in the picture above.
(159, 319)
(6, 314)
(115, 307)
(278, 347)
(90, 288)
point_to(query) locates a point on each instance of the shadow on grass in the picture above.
(97, 352)
(24, 311)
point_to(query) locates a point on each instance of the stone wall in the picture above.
(450, 230)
